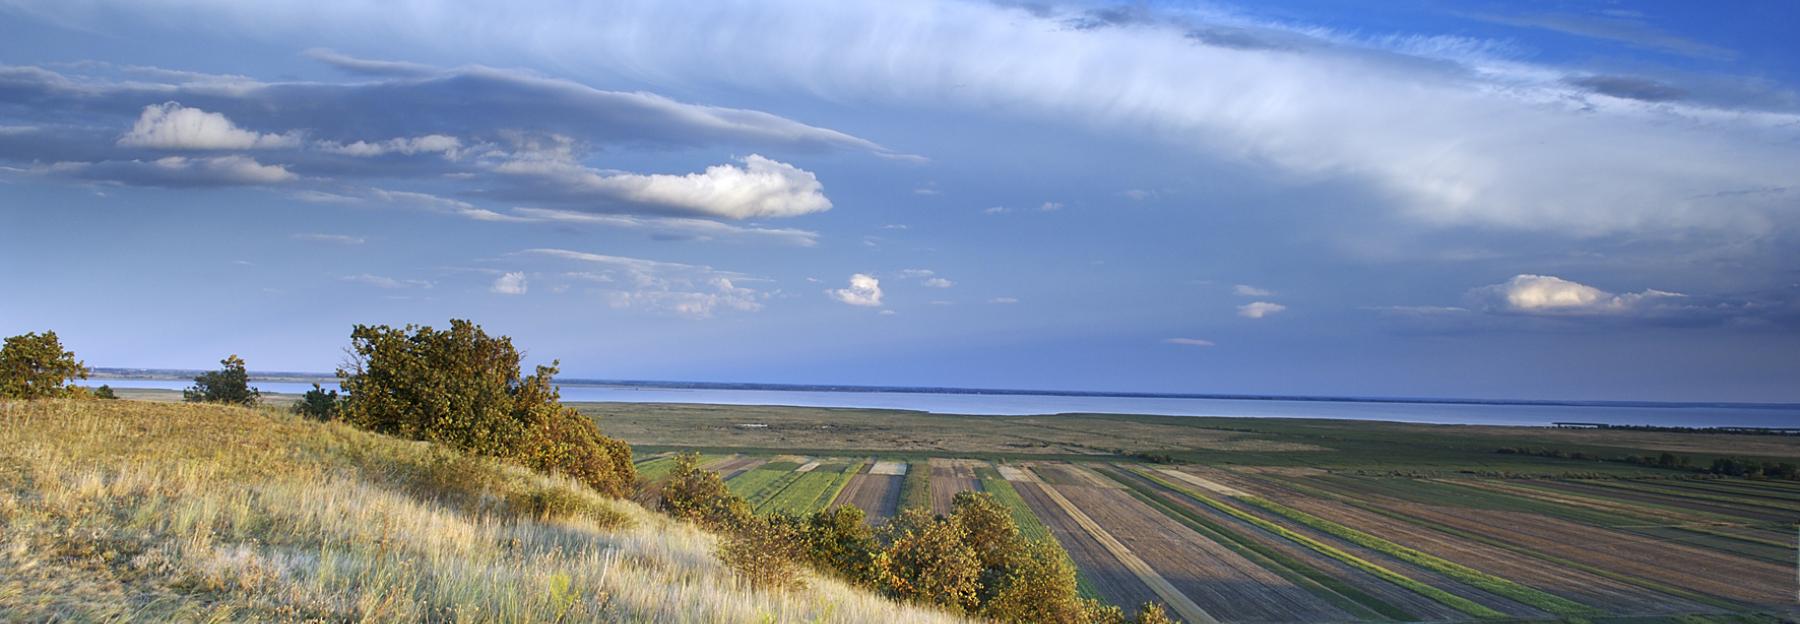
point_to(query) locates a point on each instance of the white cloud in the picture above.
(1259, 309)
(1246, 290)
(914, 273)
(689, 290)
(449, 146)
(1138, 194)
(1188, 342)
(1446, 129)
(938, 282)
(177, 171)
(510, 284)
(675, 227)
(1004, 300)
(173, 126)
(441, 204)
(335, 239)
(322, 197)
(994, 210)
(389, 283)
(864, 290)
(1050, 206)
(896, 226)
(1552, 296)
(760, 188)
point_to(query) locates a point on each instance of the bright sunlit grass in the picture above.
(168, 512)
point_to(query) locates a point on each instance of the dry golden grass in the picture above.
(136, 511)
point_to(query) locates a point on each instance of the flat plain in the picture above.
(1292, 520)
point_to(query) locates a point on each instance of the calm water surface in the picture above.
(1013, 404)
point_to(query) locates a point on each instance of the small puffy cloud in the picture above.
(1554, 296)
(1188, 342)
(1004, 300)
(1246, 290)
(332, 239)
(449, 146)
(1050, 206)
(1259, 309)
(172, 126)
(864, 290)
(760, 188)
(509, 284)
(938, 282)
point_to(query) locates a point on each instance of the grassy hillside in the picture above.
(152, 512)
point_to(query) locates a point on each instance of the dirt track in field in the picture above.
(1220, 581)
(949, 476)
(877, 495)
(1115, 583)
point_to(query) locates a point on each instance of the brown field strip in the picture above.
(1216, 578)
(949, 476)
(735, 466)
(877, 495)
(1716, 488)
(1609, 595)
(1405, 568)
(1748, 513)
(1115, 583)
(1630, 555)
(1419, 606)
(1177, 600)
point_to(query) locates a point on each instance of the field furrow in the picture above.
(876, 494)
(949, 476)
(1220, 581)
(1110, 578)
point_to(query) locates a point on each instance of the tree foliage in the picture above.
(230, 384)
(35, 366)
(318, 403)
(700, 496)
(105, 392)
(461, 388)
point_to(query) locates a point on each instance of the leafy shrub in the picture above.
(700, 496)
(35, 366)
(839, 541)
(929, 560)
(318, 403)
(230, 384)
(463, 389)
(763, 551)
(105, 392)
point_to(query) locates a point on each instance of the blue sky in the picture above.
(1589, 200)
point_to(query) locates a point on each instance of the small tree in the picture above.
(929, 560)
(230, 385)
(841, 542)
(318, 403)
(105, 392)
(35, 366)
(461, 388)
(763, 552)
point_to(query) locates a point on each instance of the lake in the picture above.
(1664, 415)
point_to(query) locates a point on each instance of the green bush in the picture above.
(463, 389)
(230, 384)
(105, 392)
(929, 560)
(318, 403)
(764, 551)
(840, 541)
(35, 366)
(700, 496)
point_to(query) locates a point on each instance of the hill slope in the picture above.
(151, 512)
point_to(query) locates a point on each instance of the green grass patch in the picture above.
(1452, 600)
(758, 484)
(915, 489)
(809, 492)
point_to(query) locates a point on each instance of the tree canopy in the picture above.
(35, 366)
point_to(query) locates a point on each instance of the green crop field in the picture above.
(810, 492)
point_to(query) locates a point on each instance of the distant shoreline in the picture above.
(104, 373)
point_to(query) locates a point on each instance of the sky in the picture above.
(1532, 200)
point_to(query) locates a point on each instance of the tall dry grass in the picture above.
(137, 511)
